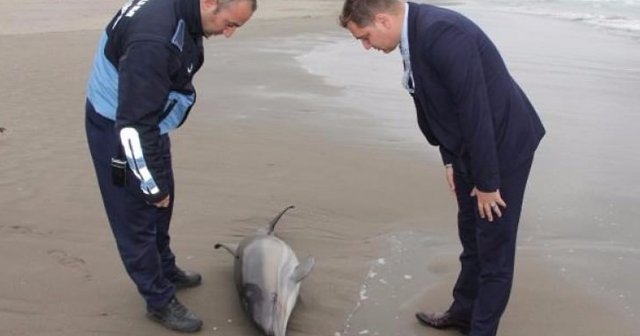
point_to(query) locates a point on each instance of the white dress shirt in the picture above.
(407, 79)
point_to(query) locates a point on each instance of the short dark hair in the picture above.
(361, 12)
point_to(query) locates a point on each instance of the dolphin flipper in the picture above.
(303, 269)
(274, 221)
(232, 248)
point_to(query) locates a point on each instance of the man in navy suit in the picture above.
(486, 129)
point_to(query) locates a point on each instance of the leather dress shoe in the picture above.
(176, 317)
(444, 321)
(186, 279)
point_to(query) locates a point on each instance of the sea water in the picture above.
(615, 16)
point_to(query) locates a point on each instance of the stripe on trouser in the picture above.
(133, 150)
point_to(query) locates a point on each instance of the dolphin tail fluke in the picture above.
(232, 248)
(303, 269)
(274, 221)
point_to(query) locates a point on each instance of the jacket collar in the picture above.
(190, 11)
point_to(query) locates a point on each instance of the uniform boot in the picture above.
(186, 279)
(177, 317)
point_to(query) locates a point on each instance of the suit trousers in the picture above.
(141, 230)
(484, 284)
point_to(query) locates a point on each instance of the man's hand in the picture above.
(489, 203)
(449, 176)
(164, 203)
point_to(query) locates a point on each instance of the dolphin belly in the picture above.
(265, 285)
(267, 275)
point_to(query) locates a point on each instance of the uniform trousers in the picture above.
(141, 230)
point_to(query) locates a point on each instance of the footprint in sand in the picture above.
(21, 229)
(66, 260)
(25, 230)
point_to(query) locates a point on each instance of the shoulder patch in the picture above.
(178, 36)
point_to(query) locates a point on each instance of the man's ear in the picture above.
(384, 20)
(210, 4)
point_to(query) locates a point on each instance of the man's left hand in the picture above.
(164, 202)
(489, 203)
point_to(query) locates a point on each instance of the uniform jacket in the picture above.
(141, 79)
(467, 103)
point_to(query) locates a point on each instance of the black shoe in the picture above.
(177, 317)
(186, 279)
(444, 321)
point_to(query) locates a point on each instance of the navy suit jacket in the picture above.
(467, 103)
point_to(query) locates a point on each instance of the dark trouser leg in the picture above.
(164, 219)
(496, 252)
(466, 287)
(136, 225)
(488, 253)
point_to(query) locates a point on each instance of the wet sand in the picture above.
(275, 125)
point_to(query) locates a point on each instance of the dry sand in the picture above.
(371, 205)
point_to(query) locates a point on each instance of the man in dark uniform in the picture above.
(139, 90)
(486, 129)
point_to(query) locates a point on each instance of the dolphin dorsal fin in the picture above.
(232, 248)
(274, 221)
(303, 269)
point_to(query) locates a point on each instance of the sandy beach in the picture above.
(291, 110)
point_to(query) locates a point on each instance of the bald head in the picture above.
(223, 3)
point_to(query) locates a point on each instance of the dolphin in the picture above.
(267, 275)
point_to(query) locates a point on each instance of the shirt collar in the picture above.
(404, 37)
